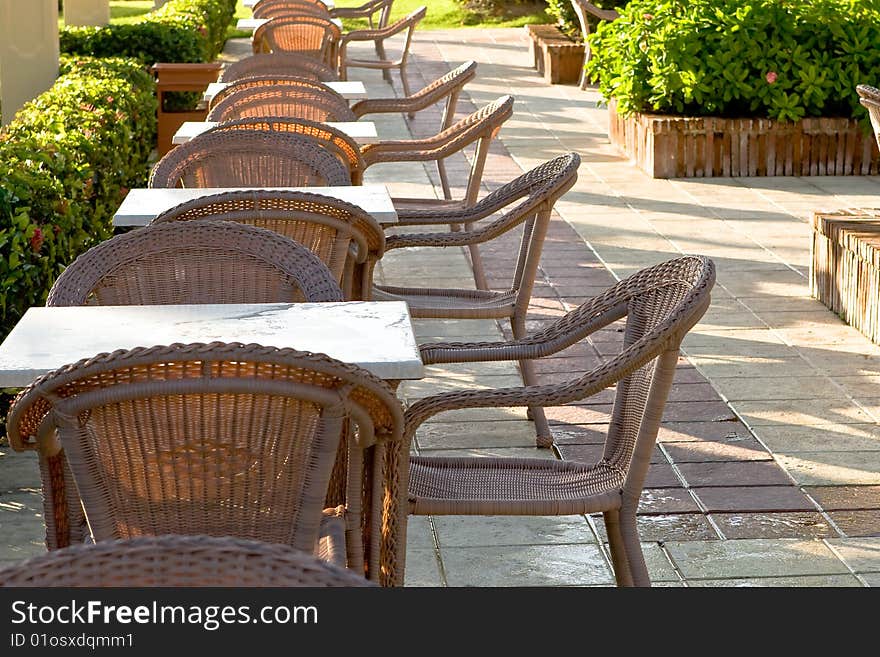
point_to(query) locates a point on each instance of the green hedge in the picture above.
(739, 58)
(66, 161)
(179, 31)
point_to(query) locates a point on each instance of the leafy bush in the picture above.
(739, 58)
(66, 161)
(179, 31)
(567, 20)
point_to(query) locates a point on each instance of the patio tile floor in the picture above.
(768, 463)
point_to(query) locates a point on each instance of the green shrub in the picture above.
(567, 20)
(66, 161)
(739, 58)
(179, 31)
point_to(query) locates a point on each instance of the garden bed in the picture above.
(555, 55)
(702, 147)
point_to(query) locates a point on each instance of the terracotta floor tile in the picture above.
(743, 473)
(664, 501)
(857, 523)
(697, 451)
(753, 498)
(832, 498)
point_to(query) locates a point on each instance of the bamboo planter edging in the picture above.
(703, 147)
(845, 266)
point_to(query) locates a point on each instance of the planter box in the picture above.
(556, 57)
(845, 267)
(702, 147)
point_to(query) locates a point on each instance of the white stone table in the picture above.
(251, 24)
(348, 89)
(377, 336)
(363, 132)
(142, 205)
(250, 4)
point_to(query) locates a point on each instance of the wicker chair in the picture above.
(481, 127)
(447, 87)
(342, 235)
(250, 158)
(331, 138)
(313, 36)
(216, 439)
(279, 63)
(870, 98)
(282, 8)
(583, 9)
(405, 26)
(298, 99)
(378, 15)
(270, 80)
(178, 561)
(212, 262)
(660, 305)
(530, 198)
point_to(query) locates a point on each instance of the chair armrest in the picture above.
(391, 105)
(376, 34)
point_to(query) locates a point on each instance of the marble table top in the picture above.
(377, 336)
(348, 89)
(363, 132)
(142, 205)
(251, 24)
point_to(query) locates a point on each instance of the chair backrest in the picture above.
(197, 262)
(583, 8)
(367, 10)
(216, 439)
(406, 25)
(481, 126)
(447, 87)
(302, 99)
(278, 63)
(332, 138)
(870, 98)
(178, 561)
(269, 80)
(339, 233)
(313, 36)
(276, 8)
(250, 158)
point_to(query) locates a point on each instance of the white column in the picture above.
(86, 12)
(28, 51)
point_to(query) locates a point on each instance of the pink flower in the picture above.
(771, 77)
(648, 17)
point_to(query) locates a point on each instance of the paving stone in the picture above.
(832, 468)
(22, 530)
(845, 497)
(860, 554)
(476, 531)
(663, 501)
(864, 522)
(18, 470)
(808, 581)
(774, 525)
(731, 449)
(821, 438)
(453, 435)
(753, 498)
(593, 453)
(743, 473)
(669, 527)
(751, 558)
(731, 431)
(422, 568)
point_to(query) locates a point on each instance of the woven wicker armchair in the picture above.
(216, 439)
(378, 15)
(405, 26)
(331, 138)
(313, 36)
(870, 98)
(178, 561)
(279, 63)
(250, 158)
(526, 201)
(211, 262)
(342, 235)
(481, 127)
(660, 304)
(583, 9)
(281, 8)
(298, 99)
(447, 87)
(270, 80)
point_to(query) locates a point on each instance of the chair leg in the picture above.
(633, 548)
(477, 266)
(380, 53)
(405, 83)
(618, 553)
(543, 435)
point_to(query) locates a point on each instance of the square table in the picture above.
(363, 132)
(142, 205)
(348, 89)
(377, 336)
(251, 24)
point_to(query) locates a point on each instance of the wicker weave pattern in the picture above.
(870, 98)
(200, 262)
(279, 63)
(221, 439)
(313, 36)
(303, 99)
(177, 561)
(250, 158)
(278, 8)
(342, 235)
(330, 137)
(259, 81)
(660, 305)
